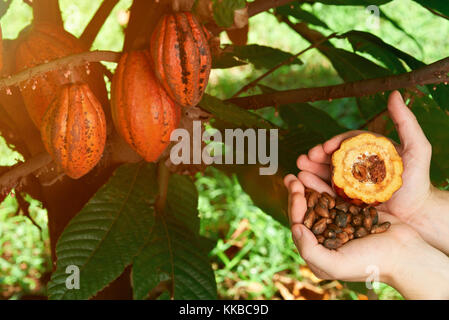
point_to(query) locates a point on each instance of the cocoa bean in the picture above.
(349, 229)
(351, 236)
(332, 213)
(357, 220)
(324, 202)
(313, 199)
(360, 232)
(368, 222)
(349, 218)
(333, 244)
(344, 237)
(323, 212)
(343, 206)
(320, 239)
(309, 218)
(331, 200)
(329, 221)
(354, 210)
(341, 220)
(329, 234)
(380, 228)
(334, 227)
(319, 226)
(374, 215)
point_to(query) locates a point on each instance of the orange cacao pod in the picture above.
(43, 43)
(181, 57)
(74, 130)
(143, 113)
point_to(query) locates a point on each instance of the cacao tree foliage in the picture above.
(132, 215)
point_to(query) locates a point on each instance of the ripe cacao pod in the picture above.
(366, 170)
(181, 57)
(42, 43)
(74, 130)
(142, 111)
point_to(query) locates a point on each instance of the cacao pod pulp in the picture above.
(143, 113)
(181, 57)
(42, 43)
(74, 130)
(366, 170)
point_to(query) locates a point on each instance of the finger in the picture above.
(410, 132)
(312, 181)
(333, 144)
(318, 155)
(321, 170)
(298, 208)
(309, 248)
(288, 179)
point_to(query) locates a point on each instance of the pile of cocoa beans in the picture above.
(336, 222)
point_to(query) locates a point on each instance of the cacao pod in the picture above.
(142, 111)
(366, 170)
(74, 130)
(181, 57)
(42, 43)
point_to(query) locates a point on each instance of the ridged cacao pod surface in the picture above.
(181, 57)
(43, 43)
(143, 113)
(74, 130)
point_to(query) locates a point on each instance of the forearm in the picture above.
(432, 220)
(422, 273)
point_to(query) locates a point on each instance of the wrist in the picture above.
(420, 272)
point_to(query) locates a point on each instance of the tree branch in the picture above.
(69, 61)
(94, 26)
(434, 73)
(13, 177)
(259, 6)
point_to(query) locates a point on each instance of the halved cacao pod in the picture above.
(143, 113)
(43, 43)
(366, 170)
(181, 57)
(74, 130)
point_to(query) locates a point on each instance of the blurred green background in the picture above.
(254, 257)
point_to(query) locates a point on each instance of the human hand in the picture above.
(394, 256)
(409, 202)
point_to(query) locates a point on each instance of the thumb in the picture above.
(410, 132)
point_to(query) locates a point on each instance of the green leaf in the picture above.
(174, 250)
(267, 192)
(232, 114)
(435, 124)
(313, 119)
(295, 142)
(224, 11)
(182, 201)
(104, 237)
(226, 60)
(294, 10)
(368, 43)
(261, 57)
(438, 5)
